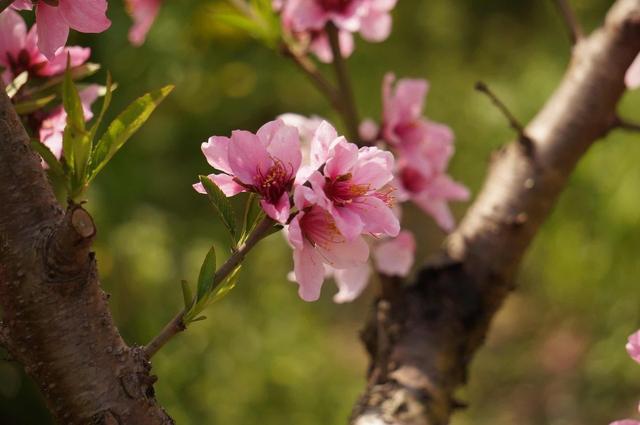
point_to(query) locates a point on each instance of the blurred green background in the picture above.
(556, 353)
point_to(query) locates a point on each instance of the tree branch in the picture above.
(435, 326)
(52, 305)
(348, 104)
(573, 26)
(177, 325)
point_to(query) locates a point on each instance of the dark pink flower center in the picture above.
(412, 180)
(22, 62)
(275, 182)
(338, 6)
(319, 228)
(342, 191)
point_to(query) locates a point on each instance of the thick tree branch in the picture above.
(435, 326)
(55, 317)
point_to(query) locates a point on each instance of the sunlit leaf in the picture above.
(17, 83)
(29, 106)
(221, 204)
(207, 274)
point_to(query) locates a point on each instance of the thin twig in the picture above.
(513, 121)
(177, 325)
(348, 110)
(309, 69)
(623, 124)
(573, 26)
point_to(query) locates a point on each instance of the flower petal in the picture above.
(52, 29)
(351, 282)
(309, 272)
(347, 254)
(248, 157)
(633, 346)
(13, 34)
(216, 151)
(85, 15)
(394, 257)
(280, 211)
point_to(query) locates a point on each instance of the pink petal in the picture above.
(303, 15)
(52, 29)
(368, 130)
(309, 272)
(351, 282)
(22, 5)
(376, 26)
(344, 255)
(438, 209)
(58, 64)
(632, 77)
(225, 182)
(378, 217)
(294, 232)
(322, 139)
(374, 167)
(343, 157)
(85, 15)
(633, 346)
(625, 422)
(88, 95)
(280, 211)
(268, 130)
(321, 47)
(13, 33)
(285, 147)
(248, 157)
(216, 151)
(304, 197)
(444, 187)
(143, 12)
(348, 221)
(395, 257)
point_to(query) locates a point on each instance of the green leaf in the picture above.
(207, 274)
(252, 215)
(54, 165)
(72, 103)
(123, 127)
(17, 83)
(199, 318)
(77, 73)
(240, 22)
(221, 204)
(29, 106)
(105, 105)
(187, 296)
(226, 286)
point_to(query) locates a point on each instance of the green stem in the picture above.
(177, 325)
(348, 110)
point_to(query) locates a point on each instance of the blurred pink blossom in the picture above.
(143, 12)
(633, 346)
(19, 51)
(632, 77)
(55, 18)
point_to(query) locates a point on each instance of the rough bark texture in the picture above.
(422, 337)
(55, 318)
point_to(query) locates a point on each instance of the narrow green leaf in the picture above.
(72, 103)
(123, 127)
(105, 105)
(29, 106)
(77, 73)
(199, 318)
(226, 286)
(17, 83)
(187, 296)
(221, 204)
(240, 22)
(54, 165)
(207, 274)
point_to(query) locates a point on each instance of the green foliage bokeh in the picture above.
(556, 353)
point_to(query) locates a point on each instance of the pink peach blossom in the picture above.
(319, 45)
(632, 77)
(352, 186)
(54, 21)
(265, 163)
(19, 51)
(52, 126)
(633, 346)
(316, 242)
(143, 12)
(625, 422)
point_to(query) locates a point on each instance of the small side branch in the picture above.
(626, 125)
(524, 140)
(347, 105)
(573, 26)
(177, 325)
